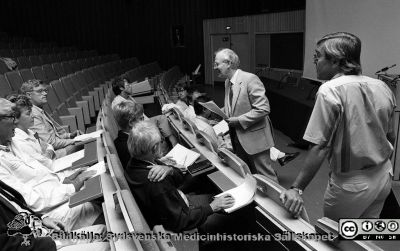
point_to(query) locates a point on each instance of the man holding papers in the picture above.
(160, 200)
(247, 109)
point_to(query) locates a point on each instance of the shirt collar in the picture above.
(37, 108)
(234, 77)
(20, 134)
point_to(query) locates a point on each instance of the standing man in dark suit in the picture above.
(247, 109)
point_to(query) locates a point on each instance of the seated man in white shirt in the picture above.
(47, 128)
(26, 144)
(122, 90)
(41, 189)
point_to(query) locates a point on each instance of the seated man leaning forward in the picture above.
(127, 113)
(160, 200)
(47, 128)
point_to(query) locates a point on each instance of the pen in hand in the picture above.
(184, 161)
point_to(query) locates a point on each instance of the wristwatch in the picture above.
(297, 190)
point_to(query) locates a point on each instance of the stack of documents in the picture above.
(210, 105)
(88, 136)
(242, 194)
(66, 161)
(99, 167)
(182, 155)
(221, 128)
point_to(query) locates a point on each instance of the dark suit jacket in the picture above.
(251, 107)
(7, 214)
(160, 202)
(122, 148)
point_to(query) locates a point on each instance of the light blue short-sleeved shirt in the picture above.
(352, 116)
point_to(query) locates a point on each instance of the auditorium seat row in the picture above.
(124, 208)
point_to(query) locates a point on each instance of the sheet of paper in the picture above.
(88, 136)
(243, 194)
(182, 155)
(99, 167)
(210, 105)
(66, 161)
(140, 87)
(221, 128)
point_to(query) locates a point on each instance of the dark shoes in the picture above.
(287, 158)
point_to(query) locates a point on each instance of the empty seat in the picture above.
(49, 72)
(5, 87)
(28, 52)
(70, 101)
(62, 109)
(5, 53)
(67, 67)
(74, 66)
(59, 70)
(39, 73)
(17, 53)
(45, 58)
(35, 60)
(68, 84)
(23, 63)
(26, 74)
(14, 79)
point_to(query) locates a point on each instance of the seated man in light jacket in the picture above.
(46, 127)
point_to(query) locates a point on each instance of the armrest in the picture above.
(95, 95)
(101, 93)
(70, 121)
(85, 108)
(105, 88)
(77, 111)
(90, 101)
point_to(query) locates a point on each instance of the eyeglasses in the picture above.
(216, 64)
(180, 90)
(8, 117)
(316, 57)
(41, 91)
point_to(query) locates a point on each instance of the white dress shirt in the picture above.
(26, 147)
(41, 189)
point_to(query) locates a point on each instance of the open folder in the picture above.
(182, 155)
(88, 136)
(210, 105)
(243, 194)
(66, 161)
(221, 128)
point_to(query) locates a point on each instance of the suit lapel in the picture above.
(236, 91)
(226, 101)
(51, 122)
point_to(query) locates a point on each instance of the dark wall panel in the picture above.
(140, 28)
